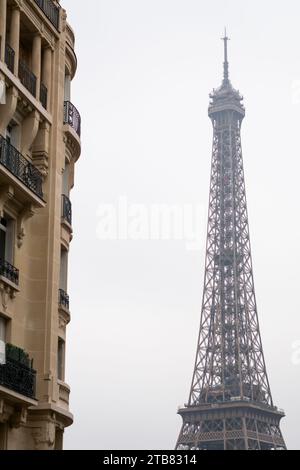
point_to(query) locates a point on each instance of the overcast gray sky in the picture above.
(145, 68)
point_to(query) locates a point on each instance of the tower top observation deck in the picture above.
(226, 98)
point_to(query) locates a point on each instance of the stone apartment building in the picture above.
(39, 146)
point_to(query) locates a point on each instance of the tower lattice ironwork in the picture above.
(230, 404)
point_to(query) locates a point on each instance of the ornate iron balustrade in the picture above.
(51, 11)
(63, 299)
(28, 79)
(17, 373)
(72, 117)
(44, 95)
(10, 58)
(9, 272)
(12, 159)
(66, 209)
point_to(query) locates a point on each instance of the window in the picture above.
(6, 239)
(58, 439)
(3, 429)
(63, 282)
(66, 179)
(13, 135)
(61, 360)
(2, 340)
(67, 86)
(2, 329)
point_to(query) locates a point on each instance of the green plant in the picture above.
(17, 354)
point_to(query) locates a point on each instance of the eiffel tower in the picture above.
(230, 405)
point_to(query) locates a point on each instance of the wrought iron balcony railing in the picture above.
(28, 79)
(44, 95)
(66, 209)
(51, 11)
(12, 159)
(10, 57)
(9, 272)
(72, 117)
(63, 299)
(17, 373)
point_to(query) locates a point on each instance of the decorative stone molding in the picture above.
(27, 212)
(15, 415)
(70, 36)
(40, 150)
(64, 21)
(41, 163)
(64, 317)
(73, 145)
(8, 291)
(30, 127)
(44, 437)
(71, 60)
(66, 234)
(8, 109)
(5, 411)
(24, 106)
(6, 194)
(19, 417)
(64, 393)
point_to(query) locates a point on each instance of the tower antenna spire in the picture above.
(226, 64)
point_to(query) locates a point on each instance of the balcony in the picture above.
(10, 58)
(9, 272)
(63, 299)
(17, 373)
(44, 95)
(50, 10)
(27, 78)
(66, 209)
(72, 117)
(20, 167)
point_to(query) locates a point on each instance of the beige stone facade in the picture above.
(39, 146)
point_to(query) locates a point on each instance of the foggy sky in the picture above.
(145, 69)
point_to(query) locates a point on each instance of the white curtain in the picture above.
(2, 340)
(2, 92)
(2, 352)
